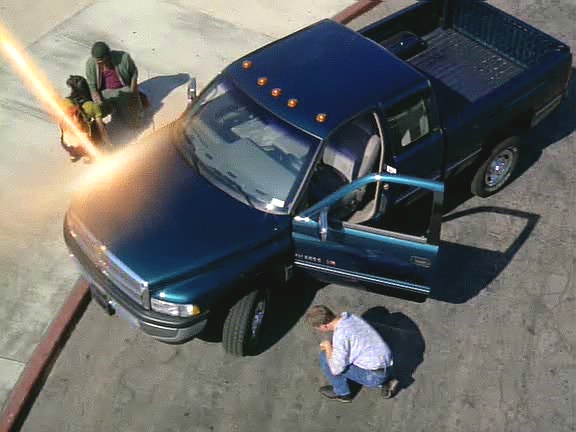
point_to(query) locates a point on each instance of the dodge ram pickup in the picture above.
(291, 158)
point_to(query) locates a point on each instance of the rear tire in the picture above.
(243, 324)
(497, 169)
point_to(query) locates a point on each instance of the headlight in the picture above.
(174, 309)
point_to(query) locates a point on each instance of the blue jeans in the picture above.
(365, 377)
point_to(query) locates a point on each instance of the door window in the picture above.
(373, 214)
(409, 122)
(363, 206)
(351, 152)
(343, 240)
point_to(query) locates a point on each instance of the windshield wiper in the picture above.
(232, 183)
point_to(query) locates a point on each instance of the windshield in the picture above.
(245, 150)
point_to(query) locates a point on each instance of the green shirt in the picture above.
(122, 63)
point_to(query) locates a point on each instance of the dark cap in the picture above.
(100, 50)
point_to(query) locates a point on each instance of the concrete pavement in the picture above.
(30, 195)
(169, 41)
(494, 350)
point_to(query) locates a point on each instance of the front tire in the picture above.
(243, 324)
(497, 169)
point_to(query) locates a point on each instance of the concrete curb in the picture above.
(38, 367)
(355, 10)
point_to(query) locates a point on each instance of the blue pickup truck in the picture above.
(292, 157)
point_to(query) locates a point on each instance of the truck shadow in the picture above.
(404, 339)
(289, 302)
(464, 270)
(559, 124)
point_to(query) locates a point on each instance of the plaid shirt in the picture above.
(356, 342)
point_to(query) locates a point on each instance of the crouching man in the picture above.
(356, 352)
(113, 76)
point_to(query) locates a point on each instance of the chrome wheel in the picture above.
(258, 317)
(500, 168)
(497, 169)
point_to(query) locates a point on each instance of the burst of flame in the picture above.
(40, 86)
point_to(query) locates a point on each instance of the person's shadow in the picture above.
(156, 90)
(159, 87)
(404, 339)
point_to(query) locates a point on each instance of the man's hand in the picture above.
(97, 98)
(326, 346)
(134, 86)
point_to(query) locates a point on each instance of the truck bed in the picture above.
(467, 48)
(463, 65)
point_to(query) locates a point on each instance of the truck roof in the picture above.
(328, 68)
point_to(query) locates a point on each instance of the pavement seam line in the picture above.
(12, 360)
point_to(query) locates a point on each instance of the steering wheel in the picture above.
(325, 180)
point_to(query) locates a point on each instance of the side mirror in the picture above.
(191, 90)
(323, 224)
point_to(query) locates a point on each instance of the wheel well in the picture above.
(496, 137)
(265, 276)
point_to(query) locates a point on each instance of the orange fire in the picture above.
(40, 86)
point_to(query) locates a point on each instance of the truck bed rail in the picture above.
(512, 38)
(463, 64)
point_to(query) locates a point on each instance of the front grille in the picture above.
(107, 263)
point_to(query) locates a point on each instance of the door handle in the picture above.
(421, 261)
(323, 224)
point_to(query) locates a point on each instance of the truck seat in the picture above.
(352, 151)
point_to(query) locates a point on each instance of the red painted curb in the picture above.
(38, 367)
(355, 10)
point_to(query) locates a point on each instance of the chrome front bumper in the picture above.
(177, 332)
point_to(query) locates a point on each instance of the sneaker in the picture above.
(328, 392)
(390, 389)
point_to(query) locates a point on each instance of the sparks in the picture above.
(41, 88)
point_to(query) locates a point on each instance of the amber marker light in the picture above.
(292, 103)
(262, 81)
(321, 118)
(246, 64)
(276, 92)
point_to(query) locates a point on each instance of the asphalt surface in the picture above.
(492, 350)
(170, 41)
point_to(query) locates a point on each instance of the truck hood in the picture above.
(162, 219)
